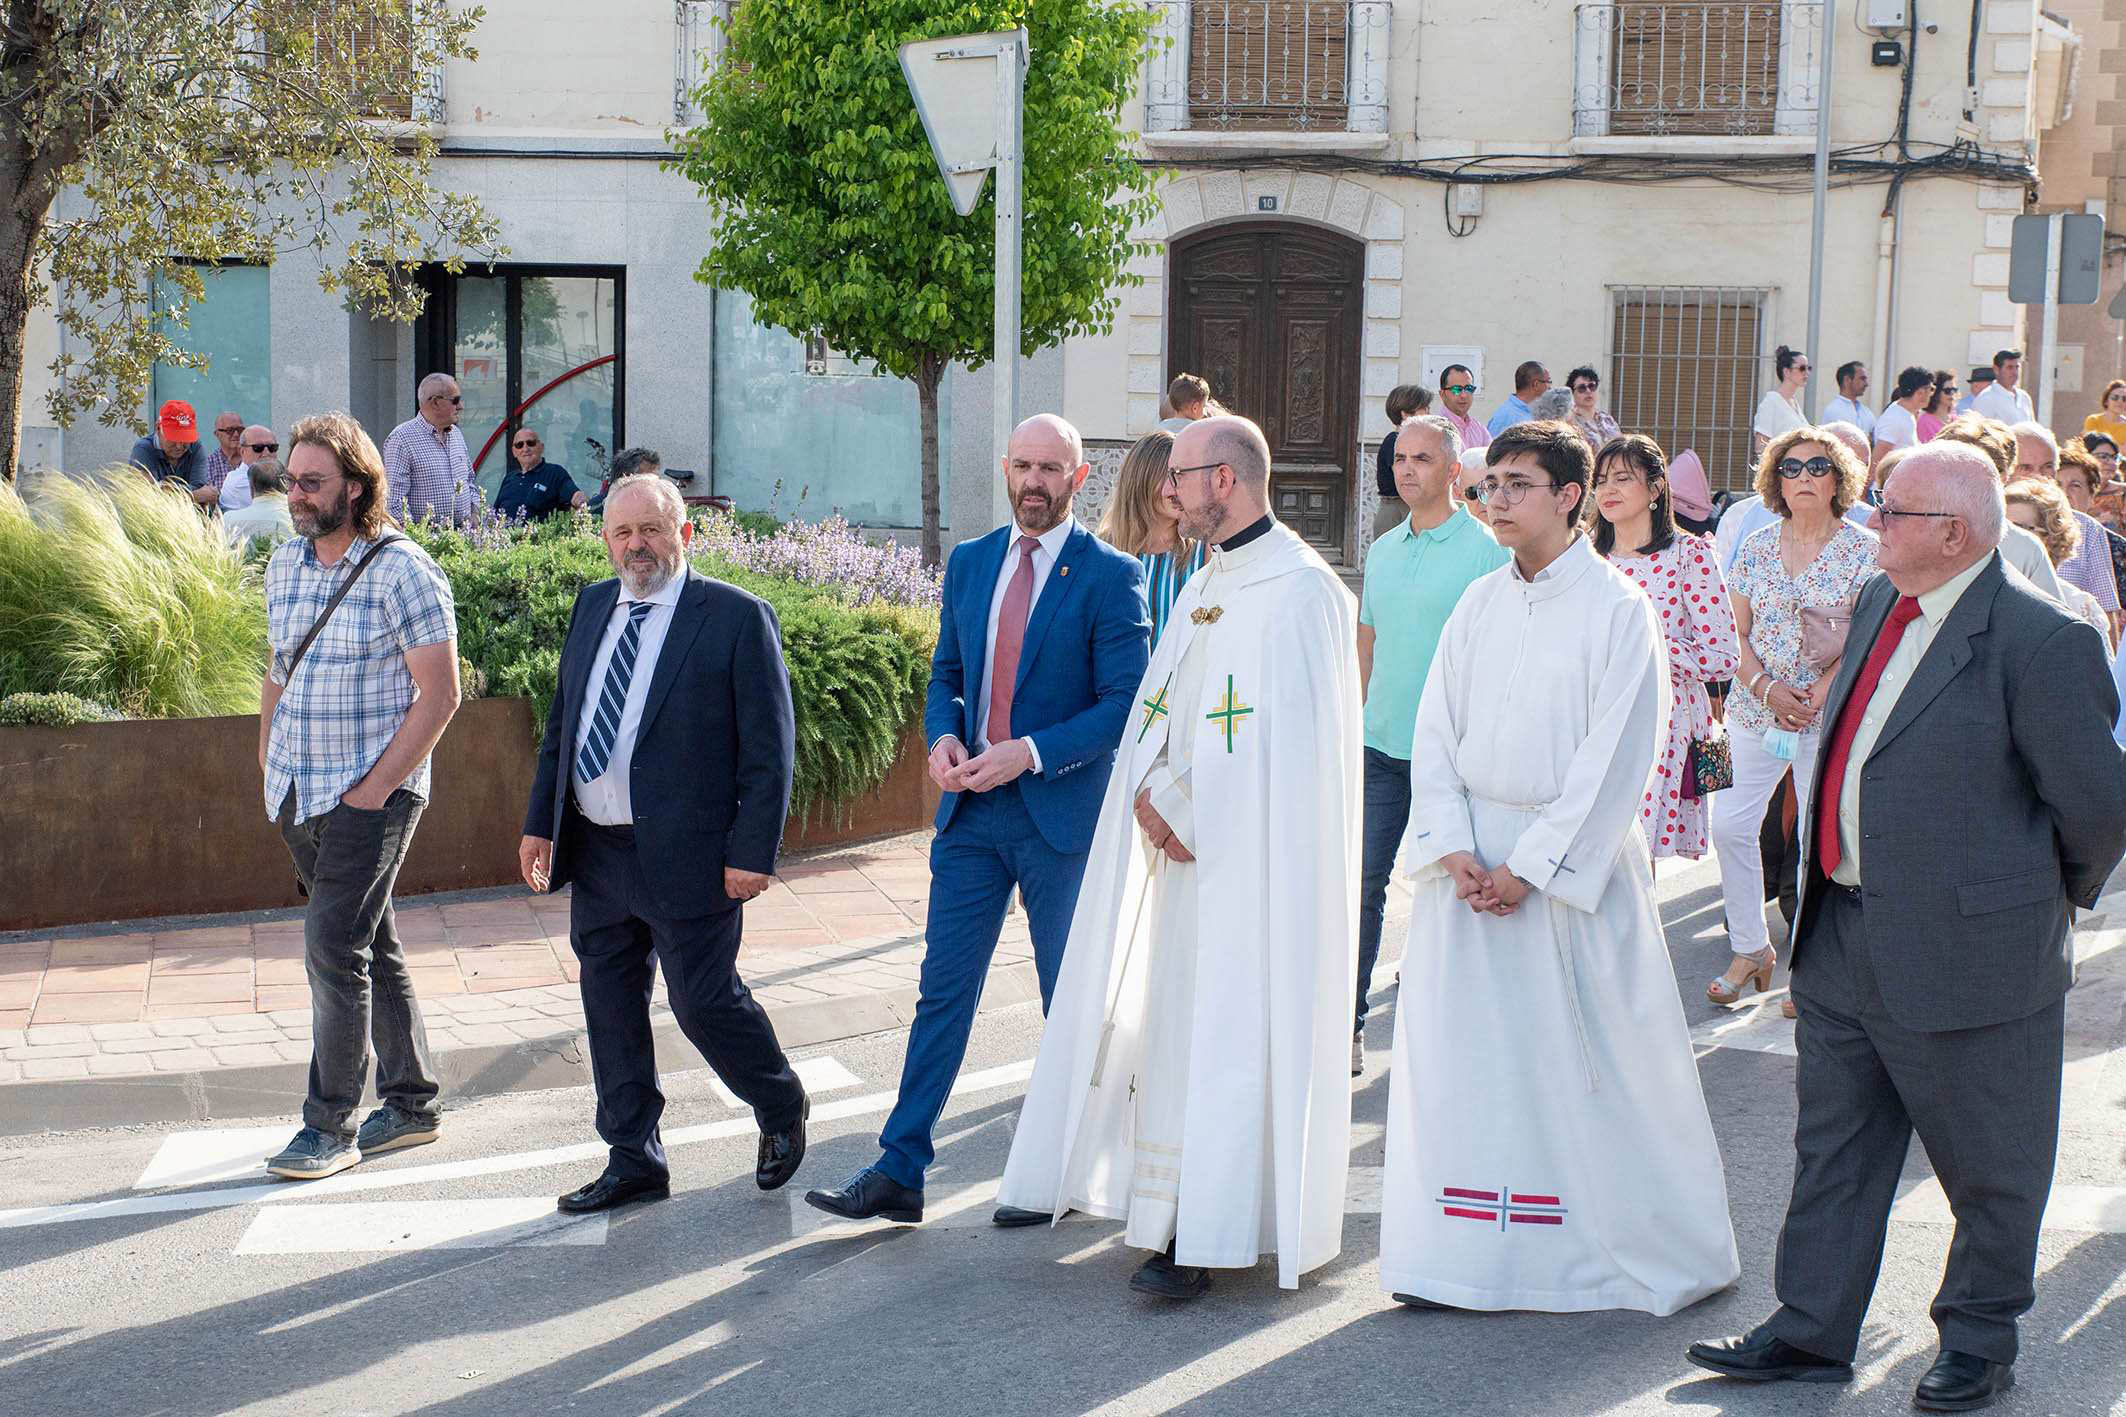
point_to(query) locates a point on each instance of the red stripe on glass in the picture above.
(1469, 1195)
(1519, 1199)
(1537, 1219)
(1460, 1214)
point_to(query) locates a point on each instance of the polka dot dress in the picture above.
(1698, 626)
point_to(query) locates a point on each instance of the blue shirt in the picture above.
(1163, 578)
(1512, 411)
(543, 491)
(191, 469)
(1414, 579)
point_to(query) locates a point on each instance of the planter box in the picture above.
(155, 817)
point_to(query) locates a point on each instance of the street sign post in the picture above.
(969, 91)
(2054, 259)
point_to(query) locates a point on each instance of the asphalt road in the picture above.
(438, 1281)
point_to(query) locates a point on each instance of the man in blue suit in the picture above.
(1042, 640)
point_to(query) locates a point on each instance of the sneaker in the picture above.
(391, 1127)
(313, 1155)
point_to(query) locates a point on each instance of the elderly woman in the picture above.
(1811, 558)
(1594, 423)
(1634, 526)
(1142, 520)
(1473, 467)
(1553, 406)
(2038, 506)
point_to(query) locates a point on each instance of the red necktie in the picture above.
(1902, 614)
(1011, 638)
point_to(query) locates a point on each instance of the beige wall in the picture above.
(554, 67)
(2079, 165)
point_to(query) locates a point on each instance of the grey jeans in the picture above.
(348, 860)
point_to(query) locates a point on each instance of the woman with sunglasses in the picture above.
(1142, 521)
(534, 489)
(1779, 411)
(1814, 557)
(1594, 423)
(1634, 528)
(1938, 405)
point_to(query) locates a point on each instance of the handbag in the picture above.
(1711, 766)
(1823, 632)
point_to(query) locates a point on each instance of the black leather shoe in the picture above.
(610, 1190)
(870, 1193)
(1961, 1382)
(1163, 1279)
(781, 1152)
(1758, 1357)
(1011, 1217)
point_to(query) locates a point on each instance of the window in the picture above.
(1312, 66)
(800, 443)
(231, 326)
(547, 336)
(345, 44)
(1696, 68)
(1684, 364)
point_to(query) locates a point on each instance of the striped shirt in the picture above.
(1163, 579)
(429, 474)
(2089, 568)
(352, 690)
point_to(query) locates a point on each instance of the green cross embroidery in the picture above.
(1229, 713)
(1154, 709)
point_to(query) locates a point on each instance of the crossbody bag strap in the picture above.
(339, 595)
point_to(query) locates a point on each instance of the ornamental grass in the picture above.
(116, 590)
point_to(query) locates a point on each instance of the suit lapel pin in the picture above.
(1062, 570)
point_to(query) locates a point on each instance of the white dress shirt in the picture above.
(236, 487)
(2007, 407)
(1853, 411)
(1934, 607)
(608, 801)
(1044, 561)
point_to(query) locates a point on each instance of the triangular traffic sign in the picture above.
(954, 80)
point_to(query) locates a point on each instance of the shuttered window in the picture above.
(1269, 64)
(1706, 67)
(1684, 368)
(347, 44)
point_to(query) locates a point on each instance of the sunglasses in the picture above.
(1585, 388)
(1791, 468)
(458, 399)
(1458, 388)
(525, 443)
(263, 447)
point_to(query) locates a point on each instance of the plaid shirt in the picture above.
(428, 475)
(352, 690)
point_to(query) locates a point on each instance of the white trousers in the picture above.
(1738, 817)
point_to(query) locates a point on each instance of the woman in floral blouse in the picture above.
(1812, 556)
(1635, 527)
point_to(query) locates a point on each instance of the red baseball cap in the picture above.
(177, 422)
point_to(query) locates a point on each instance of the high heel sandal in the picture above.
(1724, 991)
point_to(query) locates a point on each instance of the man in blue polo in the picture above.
(1415, 576)
(1530, 382)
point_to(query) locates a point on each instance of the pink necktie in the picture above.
(1011, 638)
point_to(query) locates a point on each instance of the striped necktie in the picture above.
(605, 726)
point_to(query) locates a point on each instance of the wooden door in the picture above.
(1270, 316)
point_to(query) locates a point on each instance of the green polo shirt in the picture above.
(1414, 579)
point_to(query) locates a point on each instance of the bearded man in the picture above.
(660, 793)
(1041, 641)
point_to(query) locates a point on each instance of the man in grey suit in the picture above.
(1968, 793)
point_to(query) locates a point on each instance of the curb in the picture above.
(532, 1065)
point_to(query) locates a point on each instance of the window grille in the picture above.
(1684, 364)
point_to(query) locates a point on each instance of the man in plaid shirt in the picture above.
(344, 741)
(426, 466)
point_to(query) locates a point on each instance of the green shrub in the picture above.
(117, 590)
(50, 711)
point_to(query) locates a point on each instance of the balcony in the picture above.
(699, 42)
(1278, 73)
(1704, 70)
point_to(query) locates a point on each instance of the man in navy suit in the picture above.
(1042, 640)
(661, 792)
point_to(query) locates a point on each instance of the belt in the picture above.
(614, 836)
(1840, 890)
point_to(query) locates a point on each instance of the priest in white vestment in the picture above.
(1548, 1143)
(1193, 1080)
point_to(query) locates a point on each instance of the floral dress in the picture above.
(1844, 564)
(1698, 626)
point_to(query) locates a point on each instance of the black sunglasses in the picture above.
(263, 447)
(1791, 468)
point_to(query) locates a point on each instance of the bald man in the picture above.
(426, 466)
(1043, 637)
(1968, 793)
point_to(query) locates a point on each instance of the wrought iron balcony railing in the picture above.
(1706, 68)
(1275, 65)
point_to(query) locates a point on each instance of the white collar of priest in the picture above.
(1560, 574)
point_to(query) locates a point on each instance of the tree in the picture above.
(197, 131)
(827, 209)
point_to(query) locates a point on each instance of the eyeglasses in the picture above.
(313, 485)
(263, 447)
(1491, 491)
(1800, 368)
(1458, 388)
(1173, 474)
(457, 399)
(232, 432)
(1471, 494)
(525, 443)
(1791, 468)
(1886, 511)
(1585, 388)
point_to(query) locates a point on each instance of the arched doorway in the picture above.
(1270, 314)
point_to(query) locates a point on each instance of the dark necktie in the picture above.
(1828, 853)
(1011, 638)
(619, 671)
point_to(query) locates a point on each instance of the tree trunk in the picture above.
(18, 242)
(929, 372)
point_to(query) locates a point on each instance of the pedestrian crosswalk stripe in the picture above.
(391, 1226)
(216, 1154)
(2100, 1209)
(1753, 1026)
(822, 1074)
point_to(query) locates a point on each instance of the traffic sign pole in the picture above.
(2048, 354)
(1004, 412)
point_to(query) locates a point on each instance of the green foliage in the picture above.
(756, 523)
(119, 591)
(50, 711)
(207, 130)
(856, 674)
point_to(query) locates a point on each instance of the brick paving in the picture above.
(492, 970)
